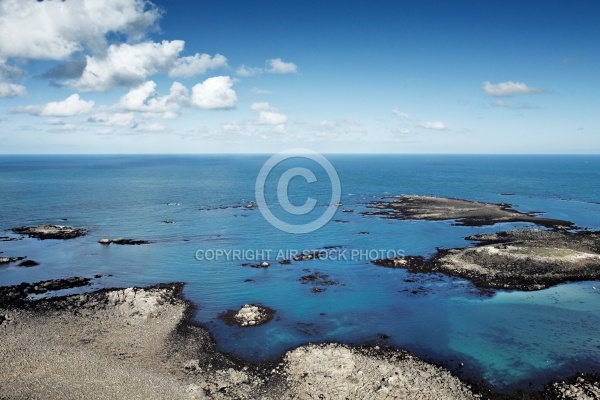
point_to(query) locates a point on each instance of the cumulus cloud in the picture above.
(214, 93)
(53, 30)
(127, 64)
(507, 89)
(143, 99)
(196, 65)
(277, 66)
(12, 90)
(72, 105)
(268, 115)
(433, 125)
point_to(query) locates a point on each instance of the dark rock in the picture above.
(45, 231)
(57, 284)
(28, 263)
(123, 241)
(319, 280)
(262, 264)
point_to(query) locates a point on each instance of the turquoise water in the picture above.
(507, 340)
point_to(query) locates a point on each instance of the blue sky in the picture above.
(131, 76)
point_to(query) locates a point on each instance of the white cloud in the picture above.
(401, 114)
(127, 64)
(72, 105)
(277, 66)
(433, 125)
(248, 71)
(274, 66)
(12, 90)
(272, 118)
(214, 93)
(125, 120)
(507, 89)
(143, 99)
(268, 115)
(54, 30)
(196, 65)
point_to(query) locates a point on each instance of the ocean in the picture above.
(201, 216)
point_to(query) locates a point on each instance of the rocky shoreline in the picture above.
(139, 343)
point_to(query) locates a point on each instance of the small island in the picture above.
(464, 212)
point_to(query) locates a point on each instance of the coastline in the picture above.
(140, 343)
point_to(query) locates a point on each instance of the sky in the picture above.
(230, 76)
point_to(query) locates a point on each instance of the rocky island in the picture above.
(522, 259)
(464, 212)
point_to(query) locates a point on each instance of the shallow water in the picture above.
(507, 340)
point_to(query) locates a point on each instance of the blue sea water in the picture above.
(506, 340)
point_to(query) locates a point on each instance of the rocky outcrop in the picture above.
(7, 260)
(45, 231)
(248, 315)
(335, 371)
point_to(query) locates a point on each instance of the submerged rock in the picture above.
(28, 263)
(122, 241)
